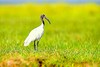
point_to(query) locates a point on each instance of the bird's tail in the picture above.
(27, 41)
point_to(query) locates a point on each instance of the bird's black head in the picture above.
(43, 16)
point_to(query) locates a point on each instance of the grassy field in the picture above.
(72, 39)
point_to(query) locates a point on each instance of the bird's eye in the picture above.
(43, 15)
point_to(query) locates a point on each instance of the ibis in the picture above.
(36, 34)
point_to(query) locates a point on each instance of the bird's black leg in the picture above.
(37, 43)
(34, 45)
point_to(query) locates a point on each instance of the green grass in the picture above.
(72, 39)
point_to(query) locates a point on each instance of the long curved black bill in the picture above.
(48, 20)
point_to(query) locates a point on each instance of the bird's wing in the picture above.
(29, 38)
(27, 41)
(34, 34)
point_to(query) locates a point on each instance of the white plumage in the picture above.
(36, 34)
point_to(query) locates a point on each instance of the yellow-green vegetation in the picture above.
(72, 39)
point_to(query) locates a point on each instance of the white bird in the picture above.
(36, 33)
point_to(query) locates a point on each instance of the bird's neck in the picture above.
(42, 25)
(42, 21)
